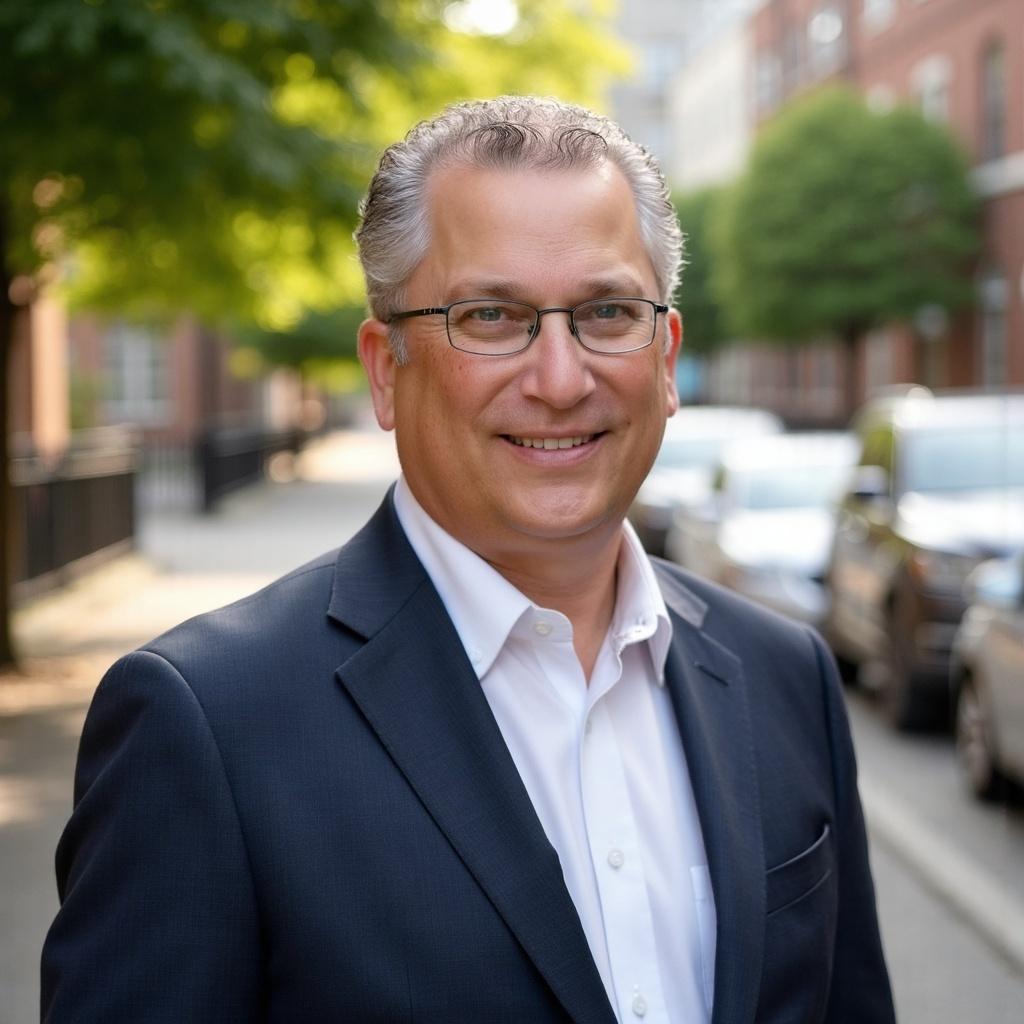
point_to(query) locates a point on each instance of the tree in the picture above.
(207, 155)
(845, 219)
(703, 323)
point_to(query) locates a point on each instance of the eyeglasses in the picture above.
(497, 327)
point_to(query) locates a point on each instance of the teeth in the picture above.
(550, 443)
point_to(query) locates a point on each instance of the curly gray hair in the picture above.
(507, 132)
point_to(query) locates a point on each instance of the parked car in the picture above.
(988, 669)
(938, 490)
(681, 475)
(766, 530)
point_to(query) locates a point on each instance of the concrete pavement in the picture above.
(188, 565)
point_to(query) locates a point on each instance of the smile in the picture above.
(550, 443)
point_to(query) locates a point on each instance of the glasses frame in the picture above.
(658, 307)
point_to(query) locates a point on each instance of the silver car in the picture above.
(988, 668)
(766, 529)
(681, 474)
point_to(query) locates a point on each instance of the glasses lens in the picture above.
(615, 325)
(491, 326)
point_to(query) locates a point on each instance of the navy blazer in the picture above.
(300, 808)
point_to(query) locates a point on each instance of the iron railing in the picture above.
(82, 508)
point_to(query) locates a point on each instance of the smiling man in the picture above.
(487, 762)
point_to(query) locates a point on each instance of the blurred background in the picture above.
(179, 297)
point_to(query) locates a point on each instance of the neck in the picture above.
(575, 579)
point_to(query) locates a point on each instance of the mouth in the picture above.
(550, 443)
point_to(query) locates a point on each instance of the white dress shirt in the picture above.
(603, 765)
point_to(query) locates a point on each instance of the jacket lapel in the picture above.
(709, 696)
(416, 688)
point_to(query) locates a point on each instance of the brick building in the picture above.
(961, 62)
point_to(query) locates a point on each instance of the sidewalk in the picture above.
(187, 564)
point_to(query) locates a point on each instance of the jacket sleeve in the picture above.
(158, 918)
(860, 991)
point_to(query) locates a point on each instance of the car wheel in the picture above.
(975, 745)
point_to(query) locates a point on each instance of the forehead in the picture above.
(533, 225)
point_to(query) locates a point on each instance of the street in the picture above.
(948, 870)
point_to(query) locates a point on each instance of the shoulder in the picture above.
(731, 619)
(254, 636)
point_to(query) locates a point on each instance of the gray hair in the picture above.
(507, 132)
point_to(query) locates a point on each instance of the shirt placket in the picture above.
(618, 868)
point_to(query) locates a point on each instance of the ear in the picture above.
(674, 325)
(379, 363)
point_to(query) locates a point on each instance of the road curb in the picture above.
(997, 915)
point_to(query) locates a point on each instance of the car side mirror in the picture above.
(869, 484)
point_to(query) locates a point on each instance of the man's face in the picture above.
(549, 239)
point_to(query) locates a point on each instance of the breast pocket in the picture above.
(802, 897)
(800, 876)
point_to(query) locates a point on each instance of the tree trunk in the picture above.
(7, 518)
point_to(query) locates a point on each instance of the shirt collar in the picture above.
(640, 612)
(482, 604)
(484, 607)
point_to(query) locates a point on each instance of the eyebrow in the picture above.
(588, 288)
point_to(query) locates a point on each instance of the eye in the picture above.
(474, 315)
(488, 314)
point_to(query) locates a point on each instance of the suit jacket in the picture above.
(300, 808)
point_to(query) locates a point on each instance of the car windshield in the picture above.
(968, 459)
(805, 486)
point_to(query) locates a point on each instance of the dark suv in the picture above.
(939, 489)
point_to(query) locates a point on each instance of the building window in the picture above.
(930, 80)
(660, 61)
(879, 358)
(878, 14)
(768, 83)
(994, 297)
(792, 60)
(136, 371)
(826, 40)
(993, 103)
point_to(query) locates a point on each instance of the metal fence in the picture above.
(68, 515)
(228, 459)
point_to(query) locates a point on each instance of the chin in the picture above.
(563, 521)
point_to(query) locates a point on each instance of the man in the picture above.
(486, 762)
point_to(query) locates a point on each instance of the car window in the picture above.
(805, 486)
(964, 459)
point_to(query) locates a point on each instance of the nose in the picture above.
(556, 369)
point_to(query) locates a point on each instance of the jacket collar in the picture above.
(709, 694)
(415, 686)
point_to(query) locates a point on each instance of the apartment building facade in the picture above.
(961, 62)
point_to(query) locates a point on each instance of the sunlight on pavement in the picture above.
(24, 799)
(350, 456)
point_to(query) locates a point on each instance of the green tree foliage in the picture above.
(207, 155)
(845, 218)
(703, 323)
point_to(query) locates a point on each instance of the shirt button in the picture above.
(542, 628)
(588, 726)
(639, 1005)
(616, 858)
